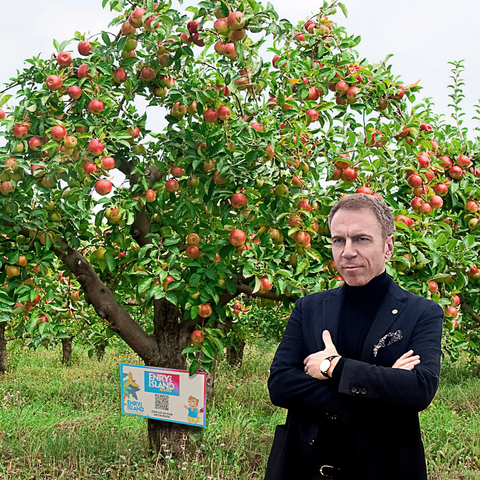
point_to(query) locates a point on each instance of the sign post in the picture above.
(164, 394)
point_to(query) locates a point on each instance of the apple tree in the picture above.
(259, 127)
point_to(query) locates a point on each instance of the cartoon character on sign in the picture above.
(193, 410)
(130, 387)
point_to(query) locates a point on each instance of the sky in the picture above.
(423, 36)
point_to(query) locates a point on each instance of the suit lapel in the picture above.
(330, 321)
(389, 312)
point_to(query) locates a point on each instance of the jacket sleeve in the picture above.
(290, 387)
(413, 389)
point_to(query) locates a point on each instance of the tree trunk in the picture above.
(66, 350)
(235, 354)
(3, 348)
(171, 338)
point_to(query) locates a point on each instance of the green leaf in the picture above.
(144, 284)
(106, 38)
(110, 261)
(441, 240)
(344, 9)
(194, 366)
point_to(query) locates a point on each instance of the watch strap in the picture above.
(325, 372)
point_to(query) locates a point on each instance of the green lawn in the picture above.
(61, 422)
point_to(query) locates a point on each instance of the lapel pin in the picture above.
(395, 311)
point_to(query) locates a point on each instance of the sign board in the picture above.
(164, 394)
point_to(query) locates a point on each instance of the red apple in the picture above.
(134, 132)
(95, 147)
(417, 202)
(237, 237)
(6, 188)
(58, 133)
(197, 338)
(64, 59)
(425, 208)
(35, 143)
(95, 106)
(433, 287)
(90, 167)
(425, 127)
(302, 238)
(456, 172)
(119, 75)
(103, 186)
(147, 74)
(239, 200)
(219, 47)
(224, 113)
(364, 189)
(441, 189)
(136, 17)
(221, 26)
(424, 160)
(436, 202)
(265, 285)
(205, 310)
(313, 94)
(463, 161)
(2, 114)
(193, 239)
(415, 180)
(84, 71)
(53, 83)
(303, 204)
(210, 115)
(177, 171)
(172, 186)
(349, 174)
(312, 115)
(192, 251)
(237, 35)
(451, 312)
(70, 142)
(229, 51)
(74, 92)
(445, 162)
(234, 20)
(108, 163)
(352, 93)
(258, 127)
(150, 195)
(471, 206)
(341, 87)
(84, 47)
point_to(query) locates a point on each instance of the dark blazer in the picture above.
(378, 405)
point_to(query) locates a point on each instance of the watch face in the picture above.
(324, 366)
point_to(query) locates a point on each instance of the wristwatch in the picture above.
(325, 365)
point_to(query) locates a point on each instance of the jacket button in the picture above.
(311, 441)
(364, 391)
(354, 389)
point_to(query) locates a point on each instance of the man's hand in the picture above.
(313, 361)
(407, 361)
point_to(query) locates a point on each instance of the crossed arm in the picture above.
(407, 361)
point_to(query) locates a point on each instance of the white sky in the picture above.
(423, 35)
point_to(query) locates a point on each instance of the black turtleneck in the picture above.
(360, 308)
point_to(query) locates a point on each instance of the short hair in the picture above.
(376, 205)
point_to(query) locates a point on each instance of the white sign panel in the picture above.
(164, 394)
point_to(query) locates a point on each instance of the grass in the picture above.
(61, 422)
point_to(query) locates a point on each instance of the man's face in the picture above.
(358, 248)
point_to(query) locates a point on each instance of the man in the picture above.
(356, 364)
